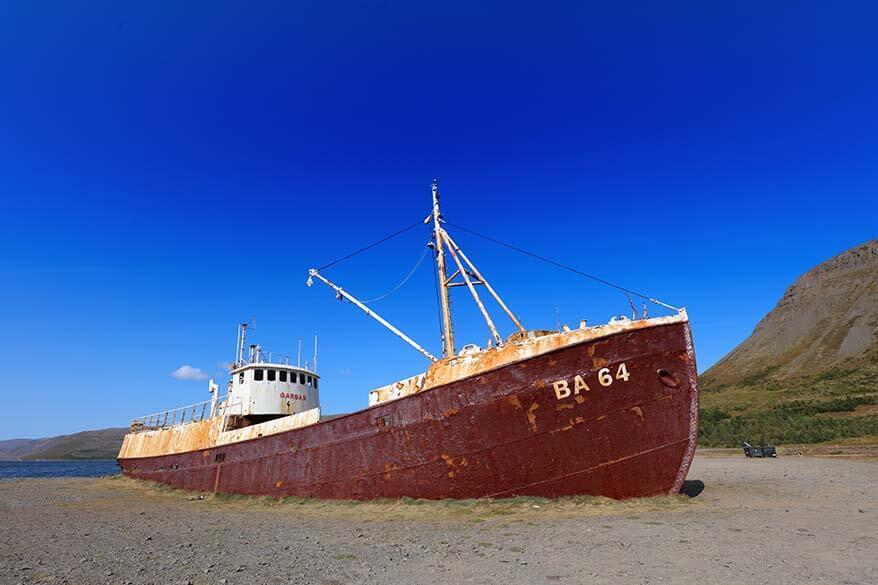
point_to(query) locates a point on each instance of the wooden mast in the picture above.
(445, 302)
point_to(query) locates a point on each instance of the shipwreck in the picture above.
(608, 410)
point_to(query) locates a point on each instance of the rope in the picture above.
(564, 266)
(404, 280)
(372, 245)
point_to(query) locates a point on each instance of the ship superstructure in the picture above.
(265, 394)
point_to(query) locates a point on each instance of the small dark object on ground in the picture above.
(760, 451)
(692, 488)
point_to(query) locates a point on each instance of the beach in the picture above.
(795, 519)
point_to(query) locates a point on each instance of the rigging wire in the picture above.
(564, 266)
(372, 245)
(404, 280)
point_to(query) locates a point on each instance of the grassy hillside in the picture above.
(837, 404)
(100, 444)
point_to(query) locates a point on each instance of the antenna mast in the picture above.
(447, 328)
(315, 353)
(242, 342)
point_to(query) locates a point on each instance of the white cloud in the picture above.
(187, 372)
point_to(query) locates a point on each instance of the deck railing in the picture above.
(268, 357)
(186, 414)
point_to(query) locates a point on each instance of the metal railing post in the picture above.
(161, 420)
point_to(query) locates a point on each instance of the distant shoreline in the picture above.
(68, 460)
(55, 469)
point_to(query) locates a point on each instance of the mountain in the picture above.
(809, 370)
(100, 444)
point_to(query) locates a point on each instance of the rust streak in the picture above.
(531, 417)
(514, 401)
(388, 469)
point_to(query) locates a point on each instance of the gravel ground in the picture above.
(790, 520)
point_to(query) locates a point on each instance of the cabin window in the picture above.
(241, 378)
(271, 375)
(257, 375)
(302, 379)
(282, 376)
(315, 383)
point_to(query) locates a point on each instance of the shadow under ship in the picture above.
(607, 410)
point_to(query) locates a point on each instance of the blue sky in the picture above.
(169, 169)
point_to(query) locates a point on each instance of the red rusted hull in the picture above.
(502, 433)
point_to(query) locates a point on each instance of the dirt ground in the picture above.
(790, 520)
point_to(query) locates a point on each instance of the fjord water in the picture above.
(90, 468)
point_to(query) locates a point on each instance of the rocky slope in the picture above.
(829, 314)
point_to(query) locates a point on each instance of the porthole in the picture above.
(667, 378)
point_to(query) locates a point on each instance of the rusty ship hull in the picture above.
(549, 425)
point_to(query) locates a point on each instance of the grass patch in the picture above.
(796, 421)
(527, 510)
